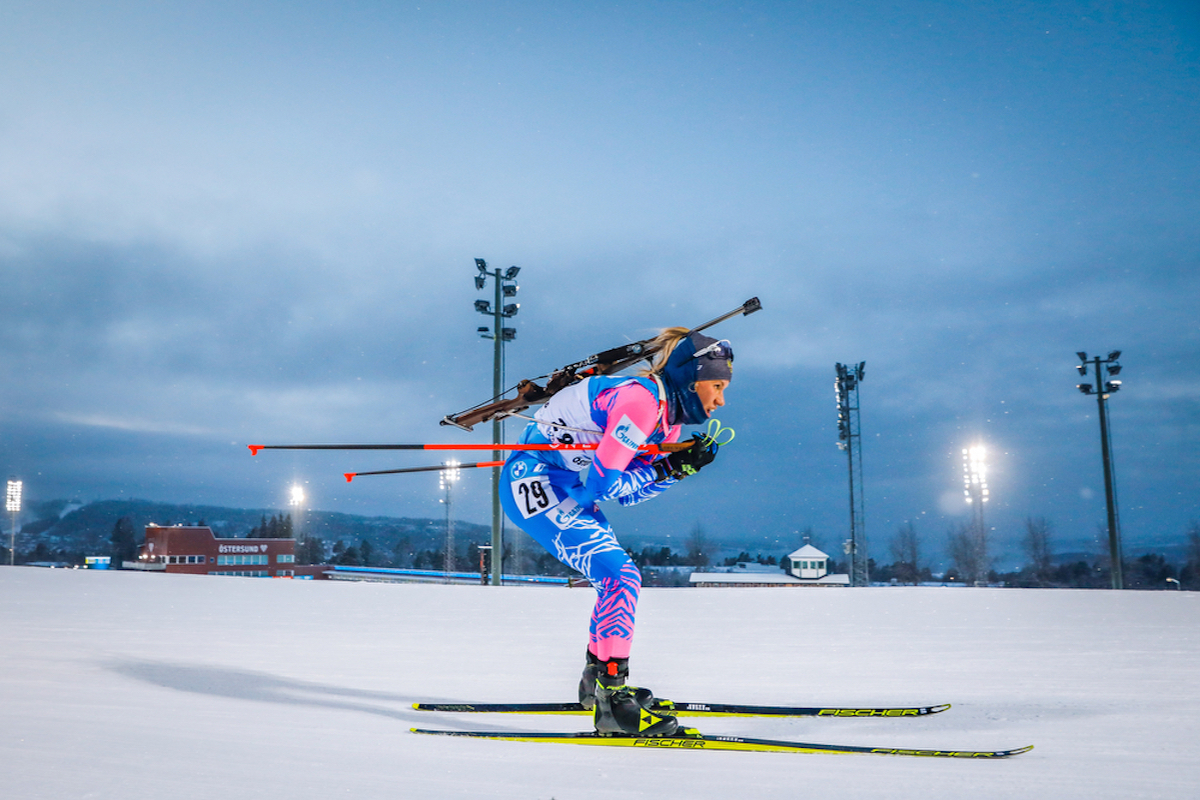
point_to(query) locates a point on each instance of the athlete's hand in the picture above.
(687, 462)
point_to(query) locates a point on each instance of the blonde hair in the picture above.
(666, 341)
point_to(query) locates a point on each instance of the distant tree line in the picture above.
(124, 544)
(968, 548)
(276, 527)
(402, 555)
(64, 535)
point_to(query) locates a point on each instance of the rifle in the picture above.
(607, 362)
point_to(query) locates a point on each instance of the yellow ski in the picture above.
(690, 739)
(690, 709)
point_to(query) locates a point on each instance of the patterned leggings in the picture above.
(537, 499)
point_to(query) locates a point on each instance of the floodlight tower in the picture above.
(296, 501)
(446, 480)
(976, 490)
(975, 481)
(1102, 390)
(505, 285)
(845, 388)
(13, 505)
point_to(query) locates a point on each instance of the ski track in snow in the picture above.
(143, 686)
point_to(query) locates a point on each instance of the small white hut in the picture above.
(808, 567)
(809, 563)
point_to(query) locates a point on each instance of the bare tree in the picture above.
(1190, 574)
(967, 547)
(1103, 558)
(1038, 535)
(699, 547)
(906, 553)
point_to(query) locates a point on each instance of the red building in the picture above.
(194, 550)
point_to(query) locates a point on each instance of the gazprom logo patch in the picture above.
(565, 514)
(629, 434)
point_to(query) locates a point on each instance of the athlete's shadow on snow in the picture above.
(262, 687)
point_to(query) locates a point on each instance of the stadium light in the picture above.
(975, 488)
(446, 480)
(845, 392)
(449, 475)
(12, 504)
(975, 473)
(504, 286)
(1103, 390)
(296, 500)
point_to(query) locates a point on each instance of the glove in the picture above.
(687, 462)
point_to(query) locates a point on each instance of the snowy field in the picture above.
(141, 686)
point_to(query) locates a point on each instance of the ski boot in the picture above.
(587, 685)
(621, 709)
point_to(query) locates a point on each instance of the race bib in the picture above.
(532, 495)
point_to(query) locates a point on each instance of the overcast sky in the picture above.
(255, 222)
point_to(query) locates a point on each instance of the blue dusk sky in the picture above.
(256, 222)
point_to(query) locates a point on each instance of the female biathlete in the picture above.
(545, 494)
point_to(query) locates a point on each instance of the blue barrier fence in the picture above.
(457, 577)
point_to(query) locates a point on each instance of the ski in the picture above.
(689, 709)
(694, 740)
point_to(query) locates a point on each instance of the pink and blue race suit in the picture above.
(543, 491)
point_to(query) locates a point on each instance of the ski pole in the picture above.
(352, 475)
(666, 447)
(713, 434)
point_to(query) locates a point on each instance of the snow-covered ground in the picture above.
(130, 686)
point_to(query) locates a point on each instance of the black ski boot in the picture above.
(626, 709)
(587, 685)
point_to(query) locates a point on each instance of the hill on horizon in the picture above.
(65, 526)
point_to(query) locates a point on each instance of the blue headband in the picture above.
(696, 358)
